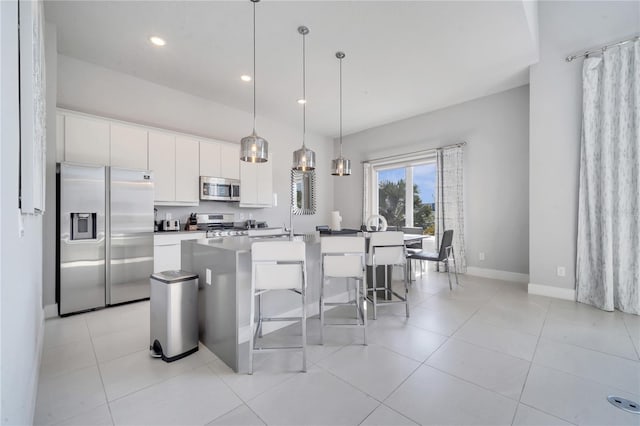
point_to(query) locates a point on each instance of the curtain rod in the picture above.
(424, 151)
(570, 58)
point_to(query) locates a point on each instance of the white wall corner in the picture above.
(498, 274)
(35, 373)
(552, 291)
(51, 311)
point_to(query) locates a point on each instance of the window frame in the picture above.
(407, 164)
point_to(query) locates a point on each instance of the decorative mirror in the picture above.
(303, 192)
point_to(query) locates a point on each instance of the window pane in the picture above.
(424, 197)
(391, 196)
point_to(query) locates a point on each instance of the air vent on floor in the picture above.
(624, 404)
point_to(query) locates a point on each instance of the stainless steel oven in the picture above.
(219, 189)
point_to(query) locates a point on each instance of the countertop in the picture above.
(177, 232)
(243, 244)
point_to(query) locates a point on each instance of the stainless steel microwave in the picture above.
(219, 189)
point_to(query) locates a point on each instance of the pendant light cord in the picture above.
(340, 107)
(254, 68)
(304, 91)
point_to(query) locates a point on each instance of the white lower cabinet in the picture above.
(167, 251)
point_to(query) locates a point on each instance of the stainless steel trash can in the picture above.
(174, 315)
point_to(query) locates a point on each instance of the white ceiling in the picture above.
(403, 58)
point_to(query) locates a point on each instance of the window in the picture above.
(409, 180)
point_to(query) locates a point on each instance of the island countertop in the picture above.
(243, 243)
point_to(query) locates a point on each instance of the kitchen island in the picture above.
(224, 269)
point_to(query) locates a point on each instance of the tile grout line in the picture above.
(524, 383)
(633, 343)
(104, 389)
(243, 402)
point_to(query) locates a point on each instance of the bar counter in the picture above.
(223, 266)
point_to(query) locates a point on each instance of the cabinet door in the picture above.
(230, 161)
(162, 161)
(248, 183)
(265, 183)
(86, 140)
(166, 257)
(210, 159)
(128, 147)
(187, 174)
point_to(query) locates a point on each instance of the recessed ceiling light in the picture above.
(245, 77)
(157, 41)
(302, 101)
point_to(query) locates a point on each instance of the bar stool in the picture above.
(277, 265)
(387, 249)
(343, 257)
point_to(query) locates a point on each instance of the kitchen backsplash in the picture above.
(274, 216)
(182, 213)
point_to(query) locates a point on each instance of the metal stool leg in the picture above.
(251, 322)
(322, 283)
(406, 294)
(303, 294)
(455, 267)
(375, 297)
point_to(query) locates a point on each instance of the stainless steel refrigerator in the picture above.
(105, 220)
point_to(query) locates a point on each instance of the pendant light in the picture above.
(340, 166)
(304, 159)
(253, 148)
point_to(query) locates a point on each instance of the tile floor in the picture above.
(485, 353)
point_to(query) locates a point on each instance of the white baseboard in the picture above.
(552, 291)
(51, 311)
(312, 309)
(498, 274)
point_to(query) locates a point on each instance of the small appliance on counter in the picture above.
(170, 225)
(192, 223)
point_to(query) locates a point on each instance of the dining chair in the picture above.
(387, 249)
(277, 265)
(343, 257)
(445, 255)
(413, 248)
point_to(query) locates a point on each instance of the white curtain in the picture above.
(367, 205)
(608, 246)
(449, 204)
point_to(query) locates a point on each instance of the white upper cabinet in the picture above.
(230, 161)
(210, 159)
(86, 140)
(162, 161)
(256, 184)
(177, 160)
(219, 159)
(128, 146)
(187, 174)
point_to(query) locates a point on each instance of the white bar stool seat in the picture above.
(277, 265)
(387, 249)
(343, 257)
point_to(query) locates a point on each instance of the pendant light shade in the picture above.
(253, 148)
(340, 166)
(304, 159)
